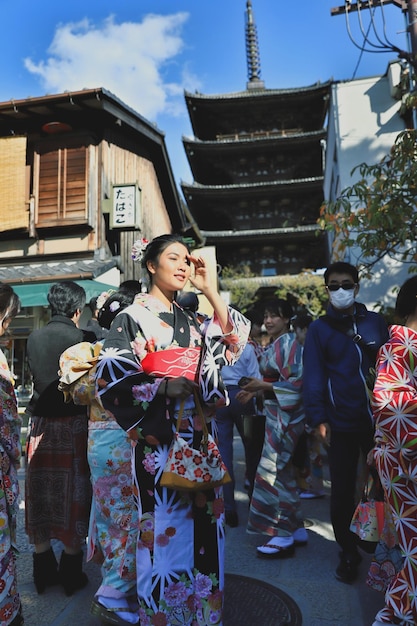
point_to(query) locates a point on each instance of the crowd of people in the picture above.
(107, 401)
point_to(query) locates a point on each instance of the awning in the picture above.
(35, 294)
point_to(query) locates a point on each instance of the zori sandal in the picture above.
(276, 548)
(109, 616)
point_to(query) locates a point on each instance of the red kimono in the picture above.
(395, 413)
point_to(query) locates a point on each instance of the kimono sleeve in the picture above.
(121, 384)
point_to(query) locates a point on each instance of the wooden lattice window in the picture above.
(62, 187)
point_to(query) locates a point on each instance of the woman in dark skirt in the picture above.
(58, 490)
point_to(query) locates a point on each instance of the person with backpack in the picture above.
(339, 350)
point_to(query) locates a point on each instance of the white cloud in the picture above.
(135, 61)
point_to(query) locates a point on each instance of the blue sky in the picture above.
(147, 52)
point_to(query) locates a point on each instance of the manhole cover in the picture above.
(249, 602)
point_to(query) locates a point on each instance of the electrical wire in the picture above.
(368, 45)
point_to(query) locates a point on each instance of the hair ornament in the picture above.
(101, 299)
(114, 306)
(138, 249)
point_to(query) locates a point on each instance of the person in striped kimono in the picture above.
(275, 506)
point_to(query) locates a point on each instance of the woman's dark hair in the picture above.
(407, 298)
(130, 288)
(155, 248)
(65, 298)
(188, 300)
(279, 306)
(112, 306)
(9, 302)
(303, 320)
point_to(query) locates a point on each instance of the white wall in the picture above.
(363, 124)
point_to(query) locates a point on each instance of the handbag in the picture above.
(368, 519)
(388, 560)
(190, 469)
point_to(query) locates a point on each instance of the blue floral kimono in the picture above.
(180, 576)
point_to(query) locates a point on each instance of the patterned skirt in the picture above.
(58, 489)
(9, 502)
(113, 532)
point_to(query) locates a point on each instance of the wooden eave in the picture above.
(95, 110)
(289, 186)
(222, 237)
(258, 141)
(203, 107)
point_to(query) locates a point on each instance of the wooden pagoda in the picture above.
(257, 162)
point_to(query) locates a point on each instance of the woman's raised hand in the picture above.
(200, 279)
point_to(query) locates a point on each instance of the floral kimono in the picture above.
(10, 450)
(112, 534)
(180, 576)
(395, 413)
(275, 505)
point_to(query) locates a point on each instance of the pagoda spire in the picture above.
(252, 51)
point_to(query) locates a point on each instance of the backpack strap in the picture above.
(346, 329)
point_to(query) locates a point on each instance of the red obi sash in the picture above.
(172, 363)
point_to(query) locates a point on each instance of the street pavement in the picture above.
(308, 577)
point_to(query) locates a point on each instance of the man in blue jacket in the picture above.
(340, 348)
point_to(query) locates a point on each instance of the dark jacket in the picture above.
(335, 369)
(94, 327)
(44, 348)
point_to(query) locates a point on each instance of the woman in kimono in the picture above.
(180, 572)
(275, 505)
(10, 450)
(395, 413)
(112, 534)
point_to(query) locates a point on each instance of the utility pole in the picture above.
(407, 6)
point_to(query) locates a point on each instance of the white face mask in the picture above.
(342, 298)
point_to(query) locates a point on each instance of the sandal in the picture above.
(272, 549)
(109, 616)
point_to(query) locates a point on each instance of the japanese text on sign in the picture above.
(124, 206)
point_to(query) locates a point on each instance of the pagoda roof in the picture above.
(286, 233)
(257, 139)
(318, 88)
(307, 183)
(254, 110)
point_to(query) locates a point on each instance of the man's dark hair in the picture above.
(93, 305)
(65, 298)
(341, 267)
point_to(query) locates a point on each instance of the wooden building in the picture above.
(82, 176)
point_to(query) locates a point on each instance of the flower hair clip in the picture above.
(138, 249)
(101, 299)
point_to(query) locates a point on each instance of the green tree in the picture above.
(378, 213)
(305, 291)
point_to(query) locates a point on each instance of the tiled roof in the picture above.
(54, 270)
(260, 93)
(260, 232)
